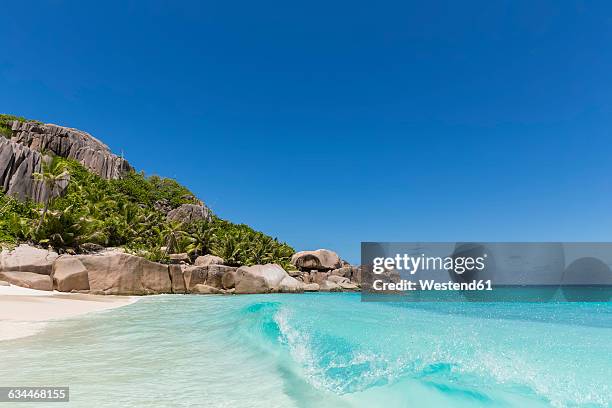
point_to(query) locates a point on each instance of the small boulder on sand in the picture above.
(69, 274)
(28, 280)
(27, 258)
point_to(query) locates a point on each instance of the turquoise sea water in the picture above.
(321, 350)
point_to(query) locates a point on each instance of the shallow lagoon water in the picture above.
(322, 350)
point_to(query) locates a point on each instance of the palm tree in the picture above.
(261, 249)
(173, 234)
(200, 236)
(231, 246)
(53, 173)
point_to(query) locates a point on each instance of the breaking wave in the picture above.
(470, 358)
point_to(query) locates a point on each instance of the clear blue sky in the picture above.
(326, 123)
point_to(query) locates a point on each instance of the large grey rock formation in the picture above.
(18, 164)
(72, 144)
(21, 157)
(117, 273)
(188, 213)
(259, 278)
(321, 260)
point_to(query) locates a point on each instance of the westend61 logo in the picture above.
(485, 271)
(414, 264)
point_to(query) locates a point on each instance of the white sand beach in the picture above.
(24, 312)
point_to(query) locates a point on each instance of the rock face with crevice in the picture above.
(22, 155)
(18, 164)
(71, 144)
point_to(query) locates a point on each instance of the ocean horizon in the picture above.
(322, 350)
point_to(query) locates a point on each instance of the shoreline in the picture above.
(25, 312)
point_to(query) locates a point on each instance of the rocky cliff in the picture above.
(21, 156)
(18, 163)
(72, 144)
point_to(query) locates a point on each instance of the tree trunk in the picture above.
(42, 216)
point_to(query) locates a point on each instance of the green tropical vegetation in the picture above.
(53, 173)
(6, 122)
(128, 213)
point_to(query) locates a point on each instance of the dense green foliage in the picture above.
(6, 122)
(149, 191)
(129, 213)
(15, 219)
